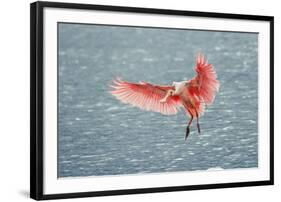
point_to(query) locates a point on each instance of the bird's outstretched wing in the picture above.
(205, 84)
(146, 96)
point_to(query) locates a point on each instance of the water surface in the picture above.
(98, 135)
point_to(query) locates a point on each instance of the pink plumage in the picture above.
(146, 96)
(206, 79)
(192, 95)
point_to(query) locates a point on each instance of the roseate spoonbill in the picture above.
(192, 95)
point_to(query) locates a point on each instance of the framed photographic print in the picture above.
(136, 100)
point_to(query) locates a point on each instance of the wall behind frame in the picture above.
(14, 102)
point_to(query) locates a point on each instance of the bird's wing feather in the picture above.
(146, 96)
(205, 83)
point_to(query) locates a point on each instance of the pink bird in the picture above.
(192, 95)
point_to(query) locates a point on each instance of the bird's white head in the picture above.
(175, 84)
(178, 86)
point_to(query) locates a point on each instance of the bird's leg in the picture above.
(188, 127)
(168, 94)
(198, 125)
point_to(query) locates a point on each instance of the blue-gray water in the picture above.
(98, 135)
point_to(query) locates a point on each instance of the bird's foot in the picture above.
(187, 132)
(198, 127)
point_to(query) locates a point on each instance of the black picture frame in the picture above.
(37, 101)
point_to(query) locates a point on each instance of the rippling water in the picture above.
(98, 135)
